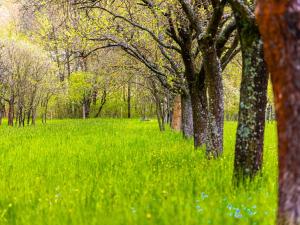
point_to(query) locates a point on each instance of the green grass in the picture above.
(125, 172)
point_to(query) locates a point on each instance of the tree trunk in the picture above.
(45, 104)
(11, 111)
(169, 119)
(83, 110)
(129, 100)
(253, 99)
(196, 85)
(144, 112)
(20, 113)
(44, 118)
(94, 95)
(33, 116)
(1, 111)
(159, 115)
(199, 107)
(279, 26)
(16, 117)
(102, 103)
(187, 116)
(213, 75)
(165, 109)
(68, 63)
(86, 107)
(23, 118)
(28, 117)
(176, 117)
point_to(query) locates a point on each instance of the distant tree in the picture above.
(81, 87)
(279, 25)
(25, 73)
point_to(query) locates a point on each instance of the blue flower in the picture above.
(198, 208)
(204, 196)
(238, 214)
(251, 212)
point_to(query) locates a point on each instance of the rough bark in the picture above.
(210, 71)
(197, 90)
(279, 23)
(176, 118)
(213, 75)
(196, 87)
(199, 108)
(187, 116)
(253, 99)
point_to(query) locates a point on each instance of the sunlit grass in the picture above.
(125, 172)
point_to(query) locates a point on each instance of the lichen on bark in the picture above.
(253, 100)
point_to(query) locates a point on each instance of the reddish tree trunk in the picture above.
(279, 23)
(187, 116)
(176, 118)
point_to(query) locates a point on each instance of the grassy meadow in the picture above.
(110, 171)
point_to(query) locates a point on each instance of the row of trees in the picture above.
(186, 45)
(58, 28)
(184, 48)
(89, 77)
